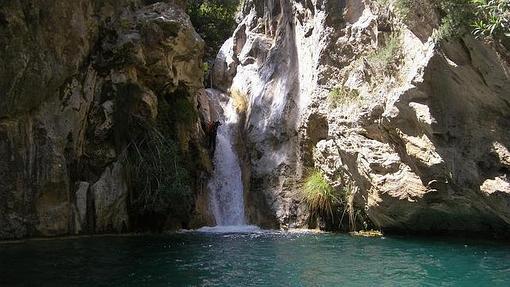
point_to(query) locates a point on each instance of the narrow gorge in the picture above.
(104, 119)
(254, 143)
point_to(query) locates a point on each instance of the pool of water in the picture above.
(254, 259)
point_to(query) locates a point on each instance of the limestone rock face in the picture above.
(110, 194)
(73, 74)
(421, 134)
(260, 63)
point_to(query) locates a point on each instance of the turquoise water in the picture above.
(260, 259)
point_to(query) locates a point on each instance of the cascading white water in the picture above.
(226, 186)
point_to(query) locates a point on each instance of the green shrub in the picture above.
(214, 20)
(176, 110)
(403, 8)
(159, 167)
(329, 203)
(320, 196)
(492, 18)
(387, 55)
(458, 17)
(339, 96)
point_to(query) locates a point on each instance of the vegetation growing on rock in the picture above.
(160, 182)
(159, 162)
(332, 204)
(339, 96)
(214, 21)
(481, 17)
(320, 196)
(492, 17)
(387, 57)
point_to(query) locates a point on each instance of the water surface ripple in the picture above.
(254, 259)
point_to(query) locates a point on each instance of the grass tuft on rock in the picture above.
(386, 56)
(160, 180)
(320, 196)
(339, 96)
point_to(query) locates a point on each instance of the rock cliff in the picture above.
(83, 84)
(415, 126)
(103, 112)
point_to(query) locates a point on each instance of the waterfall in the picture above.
(226, 192)
(226, 185)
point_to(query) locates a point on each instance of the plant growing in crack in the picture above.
(328, 202)
(339, 96)
(320, 196)
(388, 55)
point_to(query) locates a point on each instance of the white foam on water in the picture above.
(230, 229)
